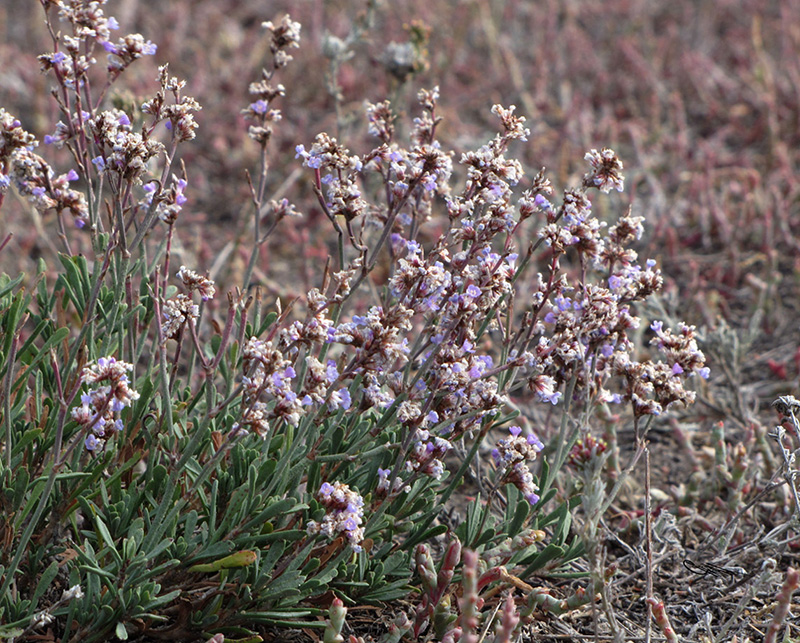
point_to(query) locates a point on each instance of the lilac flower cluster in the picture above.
(170, 201)
(269, 387)
(33, 176)
(90, 26)
(283, 37)
(654, 386)
(100, 406)
(344, 514)
(376, 337)
(35, 179)
(606, 171)
(126, 50)
(181, 309)
(193, 281)
(177, 312)
(120, 150)
(268, 375)
(428, 454)
(178, 115)
(512, 455)
(382, 488)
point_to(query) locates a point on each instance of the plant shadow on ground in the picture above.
(698, 100)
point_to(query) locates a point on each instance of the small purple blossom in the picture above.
(473, 291)
(180, 199)
(260, 107)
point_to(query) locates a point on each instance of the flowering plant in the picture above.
(152, 439)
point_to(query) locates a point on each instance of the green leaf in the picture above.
(48, 576)
(108, 540)
(521, 513)
(121, 632)
(22, 477)
(551, 552)
(7, 284)
(59, 335)
(269, 319)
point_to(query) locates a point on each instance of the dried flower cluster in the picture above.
(344, 514)
(512, 456)
(32, 175)
(108, 395)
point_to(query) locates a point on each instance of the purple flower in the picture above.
(260, 106)
(180, 199)
(100, 163)
(677, 369)
(550, 397)
(326, 489)
(346, 400)
(112, 23)
(331, 372)
(72, 175)
(514, 430)
(541, 202)
(110, 47)
(534, 441)
(91, 442)
(340, 399)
